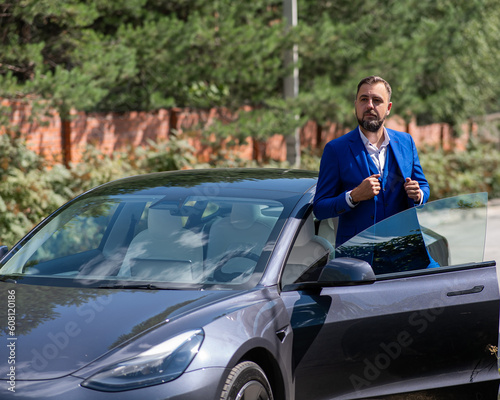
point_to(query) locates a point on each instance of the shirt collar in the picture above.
(367, 143)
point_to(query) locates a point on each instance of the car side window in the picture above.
(442, 233)
(308, 256)
(327, 229)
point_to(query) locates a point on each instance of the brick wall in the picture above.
(114, 132)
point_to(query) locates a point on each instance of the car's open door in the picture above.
(428, 321)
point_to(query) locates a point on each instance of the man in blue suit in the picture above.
(371, 172)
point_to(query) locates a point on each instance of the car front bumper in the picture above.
(201, 384)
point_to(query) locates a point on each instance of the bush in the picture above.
(26, 188)
(458, 172)
(30, 189)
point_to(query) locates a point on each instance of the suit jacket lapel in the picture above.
(360, 154)
(398, 152)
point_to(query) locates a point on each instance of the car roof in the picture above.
(272, 179)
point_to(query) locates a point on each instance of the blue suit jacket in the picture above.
(344, 165)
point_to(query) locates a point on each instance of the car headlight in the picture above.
(162, 363)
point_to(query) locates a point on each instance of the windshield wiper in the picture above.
(144, 286)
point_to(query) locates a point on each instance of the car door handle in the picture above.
(475, 289)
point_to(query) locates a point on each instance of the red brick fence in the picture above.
(109, 132)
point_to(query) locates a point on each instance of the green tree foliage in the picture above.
(63, 51)
(457, 172)
(147, 54)
(440, 57)
(143, 55)
(27, 194)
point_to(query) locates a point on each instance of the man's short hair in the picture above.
(371, 80)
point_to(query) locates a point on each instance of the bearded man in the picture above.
(371, 172)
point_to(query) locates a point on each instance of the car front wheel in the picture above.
(247, 381)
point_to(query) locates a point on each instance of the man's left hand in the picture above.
(413, 190)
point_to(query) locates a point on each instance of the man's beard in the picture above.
(371, 125)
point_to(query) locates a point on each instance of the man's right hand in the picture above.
(367, 189)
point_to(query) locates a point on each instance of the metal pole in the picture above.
(291, 82)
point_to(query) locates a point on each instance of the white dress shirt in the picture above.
(379, 157)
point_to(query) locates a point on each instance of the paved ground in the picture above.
(492, 245)
(492, 248)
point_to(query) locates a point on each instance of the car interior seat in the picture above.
(328, 229)
(309, 252)
(165, 250)
(236, 241)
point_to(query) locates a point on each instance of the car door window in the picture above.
(310, 252)
(442, 233)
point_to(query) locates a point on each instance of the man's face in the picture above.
(372, 106)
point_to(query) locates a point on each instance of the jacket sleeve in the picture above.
(418, 174)
(329, 200)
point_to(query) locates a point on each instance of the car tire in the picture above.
(247, 381)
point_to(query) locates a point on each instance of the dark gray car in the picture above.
(221, 284)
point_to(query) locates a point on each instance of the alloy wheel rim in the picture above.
(253, 390)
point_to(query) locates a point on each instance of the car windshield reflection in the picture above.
(135, 240)
(441, 233)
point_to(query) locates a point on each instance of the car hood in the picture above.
(59, 330)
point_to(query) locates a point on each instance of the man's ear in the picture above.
(388, 109)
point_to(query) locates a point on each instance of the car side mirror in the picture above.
(343, 271)
(346, 271)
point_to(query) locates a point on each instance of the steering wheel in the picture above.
(221, 276)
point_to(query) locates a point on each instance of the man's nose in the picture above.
(370, 104)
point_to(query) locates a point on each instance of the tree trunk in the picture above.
(66, 141)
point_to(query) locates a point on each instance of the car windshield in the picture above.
(441, 233)
(168, 238)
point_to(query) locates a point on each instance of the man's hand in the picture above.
(413, 190)
(367, 189)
